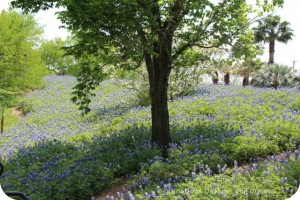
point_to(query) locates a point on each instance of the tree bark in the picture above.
(2, 120)
(160, 115)
(159, 105)
(245, 81)
(215, 78)
(271, 51)
(159, 69)
(275, 82)
(227, 78)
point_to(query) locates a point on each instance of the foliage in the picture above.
(271, 29)
(247, 68)
(20, 63)
(156, 33)
(91, 73)
(292, 170)
(274, 76)
(183, 81)
(295, 105)
(55, 59)
(245, 48)
(53, 153)
(258, 180)
(296, 81)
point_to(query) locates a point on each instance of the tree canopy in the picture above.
(272, 29)
(54, 56)
(20, 62)
(274, 75)
(154, 32)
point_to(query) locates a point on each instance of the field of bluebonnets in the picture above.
(229, 142)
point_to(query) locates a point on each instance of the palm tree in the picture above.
(296, 82)
(247, 68)
(215, 63)
(271, 29)
(274, 75)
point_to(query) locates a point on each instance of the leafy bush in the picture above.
(24, 106)
(182, 82)
(274, 75)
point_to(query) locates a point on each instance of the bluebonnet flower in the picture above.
(120, 195)
(193, 175)
(133, 185)
(276, 168)
(167, 187)
(153, 195)
(296, 153)
(232, 181)
(109, 197)
(219, 167)
(214, 185)
(267, 173)
(207, 170)
(223, 170)
(254, 166)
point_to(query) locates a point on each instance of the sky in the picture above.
(284, 53)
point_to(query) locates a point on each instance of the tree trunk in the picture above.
(159, 71)
(159, 105)
(271, 51)
(226, 78)
(160, 117)
(276, 83)
(2, 120)
(215, 78)
(245, 81)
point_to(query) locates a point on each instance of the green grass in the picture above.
(9, 119)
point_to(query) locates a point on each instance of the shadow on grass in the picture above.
(65, 170)
(80, 170)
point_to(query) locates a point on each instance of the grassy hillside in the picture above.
(54, 153)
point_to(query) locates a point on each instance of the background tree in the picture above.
(244, 52)
(296, 82)
(20, 63)
(274, 75)
(271, 29)
(184, 79)
(150, 31)
(216, 63)
(247, 68)
(55, 59)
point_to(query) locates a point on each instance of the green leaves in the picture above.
(271, 28)
(20, 63)
(274, 76)
(54, 58)
(91, 75)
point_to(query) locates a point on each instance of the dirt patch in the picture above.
(17, 111)
(113, 190)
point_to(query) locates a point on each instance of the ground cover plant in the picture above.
(220, 135)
